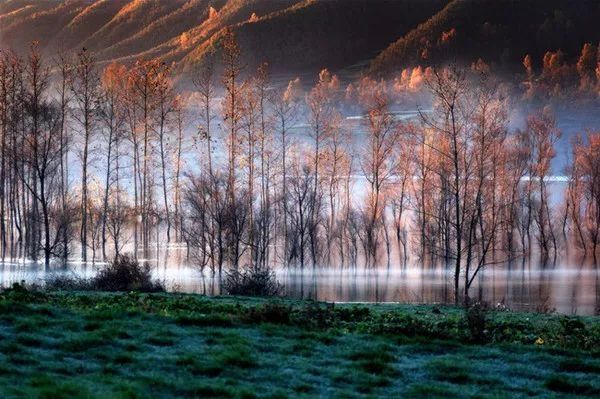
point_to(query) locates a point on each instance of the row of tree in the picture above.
(556, 78)
(276, 176)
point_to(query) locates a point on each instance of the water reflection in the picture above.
(532, 289)
(568, 289)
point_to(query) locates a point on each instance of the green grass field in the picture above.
(95, 345)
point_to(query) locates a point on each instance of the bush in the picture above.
(67, 283)
(123, 274)
(270, 312)
(252, 282)
(317, 315)
(476, 315)
(21, 292)
(126, 274)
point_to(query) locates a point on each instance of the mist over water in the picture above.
(569, 287)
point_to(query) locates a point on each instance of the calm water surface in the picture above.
(564, 288)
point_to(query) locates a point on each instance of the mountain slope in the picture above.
(168, 25)
(297, 36)
(201, 36)
(41, 21)
(130, 19)
(317, 34)
(289, 34)
(501, 32)
(292, 35)
(89, 20)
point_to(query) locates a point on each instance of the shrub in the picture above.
(126, 274)
(316, 315)
(252, 281)
(353, 314)
(122, 274)
(270, 312)
(64, 282)
(571, 325)
(21, 292)
(410, 325)
(476, 317)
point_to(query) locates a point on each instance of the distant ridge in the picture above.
(500, 32)
(292, 35)
(297, 36)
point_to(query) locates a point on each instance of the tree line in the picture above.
(247, 173)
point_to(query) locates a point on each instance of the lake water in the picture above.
(565, 288)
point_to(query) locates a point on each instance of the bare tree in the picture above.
(285, 107)
(542, 135)
(64, 65)
(448, 123)
(231, 106)
(379, 162)
(585, 192)
(179, 109)
(84, 87)
(145, 85)
(489, 124)
(248, 103)
(321, 112)
(301, 202)
(231, 117)
(205, 85)
(112, 115)
(4, 126)
(265, 154)
(165, 108)
(42, 149)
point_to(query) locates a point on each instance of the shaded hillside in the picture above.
(201, 37)
(129, 20)
(88, 21)
(39, 20)
(332, 34)
(297, 36)
(14, 10)
(167, 25)
(500, 32)
(124, 29)
(292, 35)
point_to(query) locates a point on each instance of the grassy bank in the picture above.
(173, 345)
